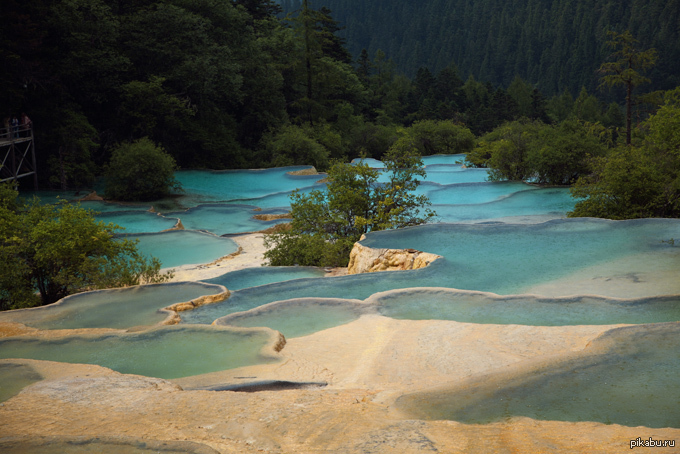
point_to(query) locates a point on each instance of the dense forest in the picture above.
(128, 90)
(217, 84)
(555, 44)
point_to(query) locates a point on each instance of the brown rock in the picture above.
(311, 171)
(363, 259)
(272, 217)
(90, 197)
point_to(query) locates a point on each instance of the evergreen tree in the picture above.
(624, 70)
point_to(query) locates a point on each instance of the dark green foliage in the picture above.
(564, 153)
(326, 224)
(642, 180)
(538, 153)
(556, 44)
(76, 140)
(624, 70)
(140, 171)
(440, 137)
(260, 9)
(59, 250)
(293, 145)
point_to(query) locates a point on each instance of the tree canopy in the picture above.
(642, 180)
(326, 223)
(140, 171)
(50, 251)
(624, 69)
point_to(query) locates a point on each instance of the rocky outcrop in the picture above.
(363, 259)
(90, 197)
(272, 217)
(178, 226)
(311, 171)
(200, 301)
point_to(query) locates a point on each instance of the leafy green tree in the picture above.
(140, 171)
(587, 107)
(62, 249)
(440, 137)
(76, 140)
(150, 111)
(560, 107)
(538, 153)
(260, 9)
(505, 150)
(521, 92)
(87, 36)
(371, 140)
(364, 66)
(322, 77)
(563, 154)
(325, 224)
(624, 71)
(294, 145)
(637, 181)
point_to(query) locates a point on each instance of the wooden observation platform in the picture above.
(17, 152)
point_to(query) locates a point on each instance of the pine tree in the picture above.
(628, 60)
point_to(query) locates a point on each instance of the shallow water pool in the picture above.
(116, 308)
(473, 307)
(183, 247)
(14, 378)
(297, 318)
(222, 219)
(253, 277)
(164, 352)
(628, 376)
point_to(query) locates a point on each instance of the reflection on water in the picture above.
(629, 377)
(223, 219)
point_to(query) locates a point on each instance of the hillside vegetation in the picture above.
(557, 44)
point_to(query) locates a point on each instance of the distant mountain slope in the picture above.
(556, 44)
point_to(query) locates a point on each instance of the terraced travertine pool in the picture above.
(499, 240)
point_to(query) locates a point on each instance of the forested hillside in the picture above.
(555, 44)
(234, 84)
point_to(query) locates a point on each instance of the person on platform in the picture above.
(26, 124)
(15, 127)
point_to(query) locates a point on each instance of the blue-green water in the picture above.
(629, 377)
(224, 219)
(297, 318)
(472, 307)
(165, 352)
(14, 378)
(253, 277)
(497, 258)
(116, 308)
(182, 247)
(472, 193)
(138, 221)
(203, 186)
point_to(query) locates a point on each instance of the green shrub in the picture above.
(140, 171)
